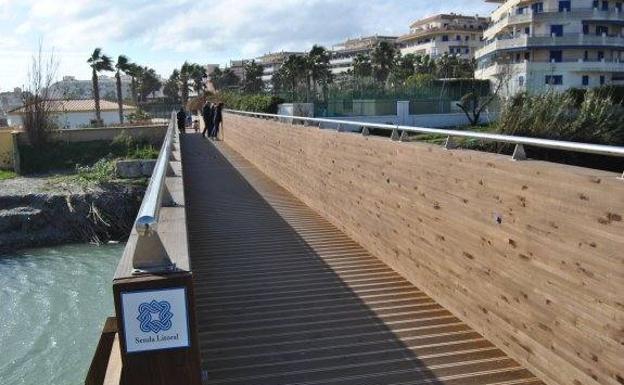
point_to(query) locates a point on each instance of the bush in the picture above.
(249, 102)
(593, 118)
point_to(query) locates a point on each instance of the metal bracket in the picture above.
(395, 135)
(404, 137)
(340, 128)
(365, 131)
(622, 177)
(450, 144)
(150, 255)
(519, 153)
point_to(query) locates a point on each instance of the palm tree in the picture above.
(382, 60)
(362, 66)
(123, 65)
(98, 62)
(134, 71)
(319, 70)
(293, 73)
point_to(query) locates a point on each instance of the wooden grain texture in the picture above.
(530, 254)
(284, 297)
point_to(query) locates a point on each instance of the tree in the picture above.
(404, 68)
(319, 70)
(253, 77)
(224, 79)
(382, 60)
(172, 87)
(37, 118)
(293, 74)
(473, 103)
(198, 75)
(98, 62)
(134, 71)
(148, 82)
(425, 65)
(123, 65)
(185, 74)
(362, 67)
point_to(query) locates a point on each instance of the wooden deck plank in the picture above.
(284, 297)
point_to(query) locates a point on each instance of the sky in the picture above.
(163, 34)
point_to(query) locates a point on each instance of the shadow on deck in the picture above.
(284, 297)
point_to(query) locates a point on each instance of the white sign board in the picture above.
(155, 319)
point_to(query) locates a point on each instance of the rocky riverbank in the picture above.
(49, 211)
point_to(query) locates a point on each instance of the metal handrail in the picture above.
(149, 254)
(517, 140)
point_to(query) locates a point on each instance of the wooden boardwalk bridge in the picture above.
(230, 279)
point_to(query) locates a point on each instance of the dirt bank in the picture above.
(43, 212)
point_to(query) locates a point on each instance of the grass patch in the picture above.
(5, 174)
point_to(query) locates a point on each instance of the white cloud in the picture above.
(165, 33)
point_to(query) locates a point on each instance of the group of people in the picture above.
(212, 114)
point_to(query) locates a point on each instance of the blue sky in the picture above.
(162, 34)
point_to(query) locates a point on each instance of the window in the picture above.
(602, 29)
(556, 56)
(527, 30)
(618, 6)
(554, 79)
(585, 80)
(600, 55)
(585, 29)
(467, 51)
(605, 5)
(445, 38)
(521, 81)
(517, 58)
(537, 7)
(527, 56)
(521, 10)
(467, 37)
(586, 55)
(602, 80)
(595, 3)
(556, 30)
(458, 38)
(564, 6)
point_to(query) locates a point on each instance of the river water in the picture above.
(53, 303)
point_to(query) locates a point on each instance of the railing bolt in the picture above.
(404, 137)
(519, 153)
(340, 128)
(365, 131)
(395, 135)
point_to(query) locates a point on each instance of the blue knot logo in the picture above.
(155, 316)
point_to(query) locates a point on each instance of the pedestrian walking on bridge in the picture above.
(207, 115)
(181, 115)
(218, 119)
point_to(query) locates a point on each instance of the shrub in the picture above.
(595, 118)
(249, 102)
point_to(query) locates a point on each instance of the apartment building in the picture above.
(342, 55)
(444, 34)
(553, 44)
(272, 62)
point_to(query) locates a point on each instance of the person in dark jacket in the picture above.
(207, 115)
(217, 120)
(181, 115)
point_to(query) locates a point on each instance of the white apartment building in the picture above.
(342, 55)
(444, 34)
(272, 62)
(553, 44)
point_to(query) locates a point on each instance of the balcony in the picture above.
(576, 14)
(582, 66)
(550, 41)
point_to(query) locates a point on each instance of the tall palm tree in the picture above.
(123, 65)
(319, 70)
(134, 70)
(382, 60)
(98, 62)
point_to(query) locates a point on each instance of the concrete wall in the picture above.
(530, 253)
(154, 133)
(74, 119)
(6, 149)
